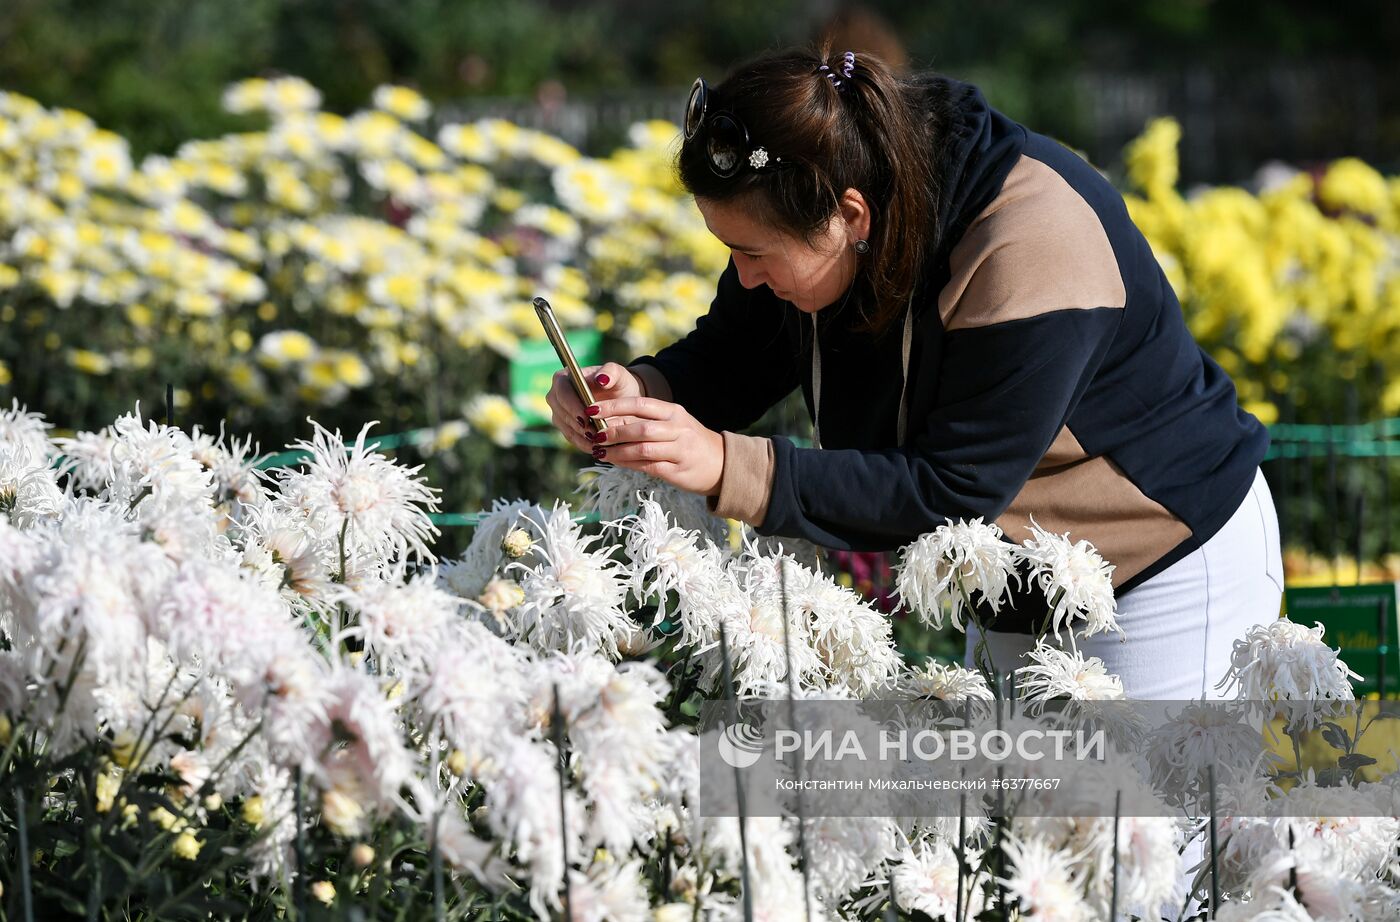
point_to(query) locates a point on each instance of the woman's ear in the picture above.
(856, 213)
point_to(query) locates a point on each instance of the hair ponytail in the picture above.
(846, 124)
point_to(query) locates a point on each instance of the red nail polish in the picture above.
(590, 436)
(603, 380)
(600, 437)
(581, 420)
(593, 410)
(600, 453)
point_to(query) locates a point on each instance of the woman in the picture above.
(978, 330)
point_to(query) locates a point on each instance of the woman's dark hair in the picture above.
(877, 133)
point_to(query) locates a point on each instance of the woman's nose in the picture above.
(749, 277)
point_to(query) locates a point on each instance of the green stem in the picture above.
(25, 888)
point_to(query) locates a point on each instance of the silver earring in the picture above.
(862, 247)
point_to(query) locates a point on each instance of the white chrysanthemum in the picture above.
(18, 425)
(270, 851)
(281, 545)
(1054, 673)
(1077, 582)
(960, 564)
(1313, 871)
(574, 594)
(615, 492)
(666, 559)
(617, 730)
(381, 506)
(853, 640)
(209, 611)
(402, 623)
(234, 465)
(28, 485)
(753, 611)
(1042, 882)
(926, 880)
(1273, 904)
(612, 891)
(1148, 862)
(522, 800)
(467, 576)
(465, 851)
(87, 458)
(845, 851)
(154, 466)
(78, 596)
(475, 689)
(1283, 662)
(950, 682)
(354, 750)
(1182, 749)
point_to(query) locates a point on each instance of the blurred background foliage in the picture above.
(1317, 77)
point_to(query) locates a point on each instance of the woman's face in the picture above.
(810, 276)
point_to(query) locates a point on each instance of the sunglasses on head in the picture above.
(725, 138)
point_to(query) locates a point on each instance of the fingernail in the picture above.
(590, 436)
(581, 420)
(603, 380)
(600, 437)
(593, 410)
(600, 453)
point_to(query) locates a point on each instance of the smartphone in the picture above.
(566, 357)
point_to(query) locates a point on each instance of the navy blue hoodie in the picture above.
(1052, 375)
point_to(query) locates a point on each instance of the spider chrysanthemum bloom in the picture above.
(87, 458)
(945, 682)
(1289, 671)
(1076, 580)
(402, 622)
(961, 564)
(18, 425)
(354, 747)
(667, 559)
(468, 576)
(381, 506)
(1042, 882)
(1182, 750)
(854, 641)
(926, 880)
(233, 463)
(574, 593)
(28, 486)
(615, 492)
(1055, 673)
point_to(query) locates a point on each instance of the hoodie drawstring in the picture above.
(901, 423)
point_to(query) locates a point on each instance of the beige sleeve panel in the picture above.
(1037, 247)
(746, 484)
(1092, 499)
(654, 383)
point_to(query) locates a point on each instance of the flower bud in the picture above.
(517, 543)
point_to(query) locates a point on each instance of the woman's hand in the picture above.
(608, 381)
(661, 439)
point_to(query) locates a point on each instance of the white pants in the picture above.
(1181, 624)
